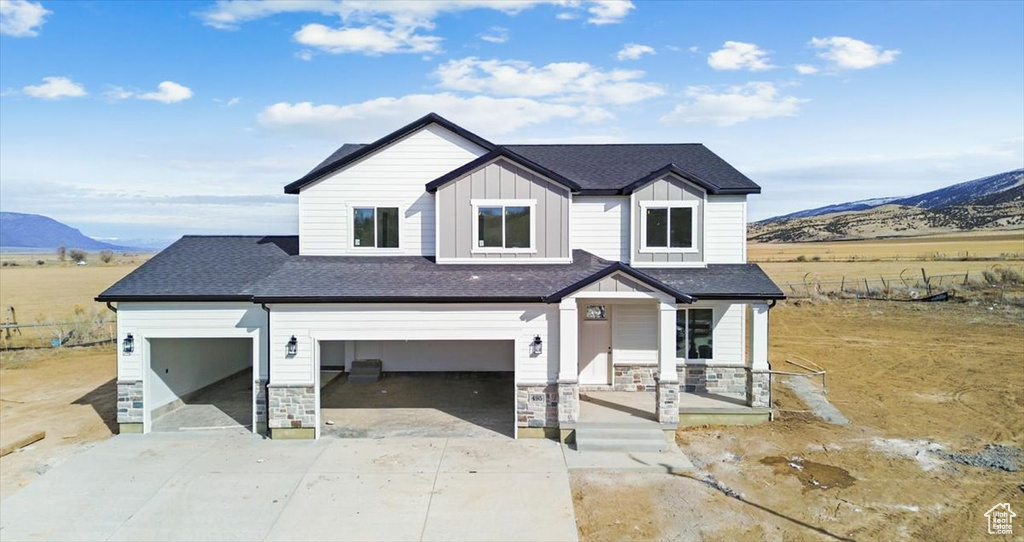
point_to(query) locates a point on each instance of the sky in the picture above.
(152, 120)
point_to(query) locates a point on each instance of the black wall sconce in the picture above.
(537, 346)
(128, 344)
(292, 347)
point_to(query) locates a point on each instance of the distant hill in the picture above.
(989, 203)
(19, 230)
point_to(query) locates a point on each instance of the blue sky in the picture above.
(157, 119)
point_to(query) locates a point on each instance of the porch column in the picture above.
(759, 382)
(568, 372)
(667, 391)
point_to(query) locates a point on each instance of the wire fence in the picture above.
(909, 285)
(81, 332)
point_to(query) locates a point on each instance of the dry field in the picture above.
(915, 380)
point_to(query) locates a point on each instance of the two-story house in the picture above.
(573, 267)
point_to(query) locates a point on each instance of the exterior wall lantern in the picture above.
(292, 347)
(128, 344)
(537, 346)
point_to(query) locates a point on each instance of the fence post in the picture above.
(927, 284)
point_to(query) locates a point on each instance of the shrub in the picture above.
(816, 259)
(77, 255)
(40, 262)
(801, 258)
(106, 256)
(62, 253)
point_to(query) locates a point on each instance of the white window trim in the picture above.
(714, 332)
(644, 205)
(352, 227)
(478, 203)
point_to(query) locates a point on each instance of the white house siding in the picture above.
(600, 225)
(185, 320)
(634, 334)
(438, 355)
(725, 230)
(728, 332)
(393, 176)
(413, 322)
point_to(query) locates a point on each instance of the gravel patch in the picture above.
(992, 456)
(815, 399)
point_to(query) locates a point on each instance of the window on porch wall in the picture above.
(694, 333)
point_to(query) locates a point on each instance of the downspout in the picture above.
(266, 398)
(111, 307)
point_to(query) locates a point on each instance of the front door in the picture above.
(595, 346)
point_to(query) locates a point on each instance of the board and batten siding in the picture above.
(667, 188)
(502, 180)
(394, 176)
(725, 231)
(413, 322)
(600, 225)
(187, 321)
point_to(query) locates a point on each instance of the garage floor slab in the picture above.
(226, 405)
(233, 485)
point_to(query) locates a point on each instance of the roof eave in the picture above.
(625, 269)
(397, 299)
(430, 118)
(103, 298)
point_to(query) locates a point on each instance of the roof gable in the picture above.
(350, 153)
(496, 154)
(619, 267)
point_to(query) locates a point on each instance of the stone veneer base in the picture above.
(634, 377)
(129, 428)
(292, 407)
(536, 406)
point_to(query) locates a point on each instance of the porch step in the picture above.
(620, 438)
(365, 370)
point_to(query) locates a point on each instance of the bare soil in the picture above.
(69, 393)
(917, 382)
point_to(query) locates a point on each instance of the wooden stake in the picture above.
(19, 444)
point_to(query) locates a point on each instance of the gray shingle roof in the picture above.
(214, 267)
(595, 168)
(614, 167)
(254, 268)
(720, 281)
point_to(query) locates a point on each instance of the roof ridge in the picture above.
(597, 144)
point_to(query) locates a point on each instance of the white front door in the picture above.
(595, 346)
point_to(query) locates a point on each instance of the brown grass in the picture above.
(998, 246)
(54, 290)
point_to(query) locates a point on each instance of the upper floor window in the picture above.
(668, 226)
(375, 227)
(503, 225)
(695, 333)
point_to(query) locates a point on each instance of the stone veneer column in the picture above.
(667, 390)
(292, 412)
(759, 389)
(261, 406)
(536, 410)
(667, 397)
(130, 415)
(759, 379)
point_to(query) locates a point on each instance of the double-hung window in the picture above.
(375, 227)
(503, 225)
(668, 226)
(695, 333)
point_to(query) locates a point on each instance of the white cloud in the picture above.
(737, 55)
(305, 55)
(736, 104)
(851, 54)
(567, 16)
(376, 28)
(233, 102)
(609, 11)
(495, 34)
(167, 92)
(118, 93)
(21, 19)
(370, 40)
(55, 88)
(633, 51)
(367, 120)
(805, 69)
(559, 81)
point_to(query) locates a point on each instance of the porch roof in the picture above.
(269, 269)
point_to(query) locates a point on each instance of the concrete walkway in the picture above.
(236, 486)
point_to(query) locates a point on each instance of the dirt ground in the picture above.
(71, 394)
(915, 381)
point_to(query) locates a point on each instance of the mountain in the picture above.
(25, 231)
(990, 203)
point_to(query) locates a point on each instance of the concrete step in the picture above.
(365, 370)
(620, 445)
(620, 438)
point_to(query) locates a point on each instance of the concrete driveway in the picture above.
(237, 486)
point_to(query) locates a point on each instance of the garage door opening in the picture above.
(425, 389)
(199, 384)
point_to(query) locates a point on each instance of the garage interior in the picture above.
(425, 389)
(200, 384)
